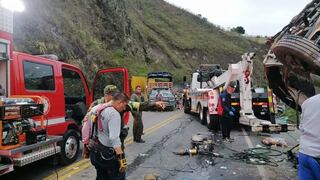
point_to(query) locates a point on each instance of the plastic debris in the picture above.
(143, 155)
(210, 162)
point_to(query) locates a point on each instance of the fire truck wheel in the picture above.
(70, 147)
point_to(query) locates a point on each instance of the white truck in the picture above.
(203, 96)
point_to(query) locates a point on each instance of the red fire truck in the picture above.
(42, 103)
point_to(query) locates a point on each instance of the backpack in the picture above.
(92, 119)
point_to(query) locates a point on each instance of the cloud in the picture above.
(256, 16)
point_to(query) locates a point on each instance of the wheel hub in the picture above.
(71, 147)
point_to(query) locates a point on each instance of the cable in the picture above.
(258, 156)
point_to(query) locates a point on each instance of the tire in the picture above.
(305, 50)
(69, 147)
(187, 106)
(202, 115)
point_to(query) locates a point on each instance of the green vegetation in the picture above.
(141, 35)
(291, 114)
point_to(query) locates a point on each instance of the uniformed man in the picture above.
(137, 96)
(106, 153)
(228, 112)
(109, 91)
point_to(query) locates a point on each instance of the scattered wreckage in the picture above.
(293, 61)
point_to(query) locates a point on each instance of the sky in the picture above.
(258, 17)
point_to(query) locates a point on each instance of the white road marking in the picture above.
(261, 170)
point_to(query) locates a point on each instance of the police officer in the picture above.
(106, 153)
(228, 112)
(137, 115)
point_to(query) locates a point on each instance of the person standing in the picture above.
(309, 150)
(109, 91)
(137, 129)
(105, 150)
(228, 112)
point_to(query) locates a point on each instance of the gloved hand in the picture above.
(123, 164)
(233, 109)
(231, 113)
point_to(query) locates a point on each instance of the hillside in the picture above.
(142, 35)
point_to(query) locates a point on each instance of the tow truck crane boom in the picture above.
(241, 72)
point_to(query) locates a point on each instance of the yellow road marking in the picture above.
(85, 163)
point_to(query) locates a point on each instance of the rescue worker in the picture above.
(106, 153)
(228, 112)
(137, 129)
(309, 150)
(109, 91)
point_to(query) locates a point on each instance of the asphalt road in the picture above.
(166, 132)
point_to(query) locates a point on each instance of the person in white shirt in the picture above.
(309, 150)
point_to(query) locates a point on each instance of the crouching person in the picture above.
(104, 143)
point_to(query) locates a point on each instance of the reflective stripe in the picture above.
(136, 105)
(52, 121)
(259, 103)
(270, 100)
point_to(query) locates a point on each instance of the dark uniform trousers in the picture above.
(137, 126)
(226, 125)
(137, 116)
(106, 173)
(226, 119)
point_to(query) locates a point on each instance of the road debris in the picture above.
(274, 141)
(143, 155)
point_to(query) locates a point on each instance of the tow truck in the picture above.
(203, 96)
(42, 103)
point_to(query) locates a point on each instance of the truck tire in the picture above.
(69, 147)
(187, 106)
(202, 115)
(306, 54)
(304, 49)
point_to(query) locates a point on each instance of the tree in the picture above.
(238, 29)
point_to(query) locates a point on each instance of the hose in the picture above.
(258, 156)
